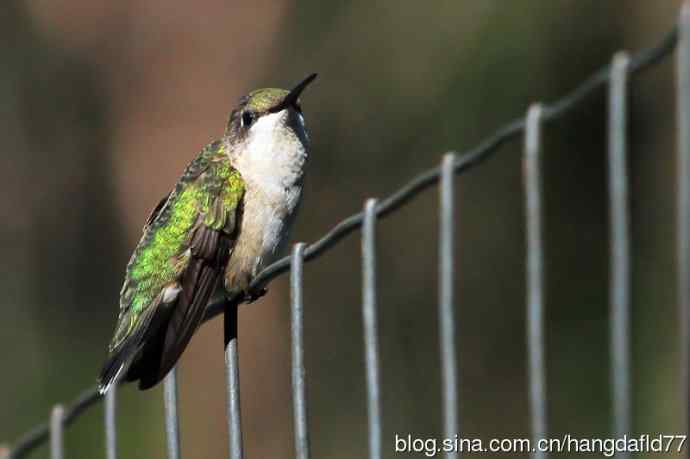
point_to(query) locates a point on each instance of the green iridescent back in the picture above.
(208, 193)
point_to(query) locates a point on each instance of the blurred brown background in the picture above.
(102, 104)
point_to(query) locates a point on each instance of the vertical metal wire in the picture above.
(172, 423)
(446, 301)
(232, 374)
(619, 283)
(371, 351)
(109, 421)
(57, 446)
(535, 278)
(683, 166)
(299, 396)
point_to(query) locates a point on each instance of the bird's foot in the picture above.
(253, 295)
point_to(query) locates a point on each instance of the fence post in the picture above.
(535, 278)
(299, 391)
(619, 280)
(57, 417)
(172, 423)
(232, 374)
(109, 421)
(371, 351)
(446, 313)
(683, 217)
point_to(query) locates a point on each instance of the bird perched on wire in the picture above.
(226, 218)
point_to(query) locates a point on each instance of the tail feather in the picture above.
(116, 367)
(117, 364)
(164, 350)
(157, 343)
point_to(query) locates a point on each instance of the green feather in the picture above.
(263, 99)
(209, 191)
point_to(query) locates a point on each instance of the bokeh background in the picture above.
(102, 104)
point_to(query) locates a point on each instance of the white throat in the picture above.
(274, 153)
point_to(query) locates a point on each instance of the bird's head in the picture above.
(267, 119)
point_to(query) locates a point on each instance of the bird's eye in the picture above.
(247, 119)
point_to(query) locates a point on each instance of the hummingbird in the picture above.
(226, 218)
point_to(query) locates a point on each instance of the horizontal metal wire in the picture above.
(640, 61)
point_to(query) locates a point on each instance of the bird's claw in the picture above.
(253, 295)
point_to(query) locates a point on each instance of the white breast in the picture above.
(272, 166)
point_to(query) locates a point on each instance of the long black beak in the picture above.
(291, 99)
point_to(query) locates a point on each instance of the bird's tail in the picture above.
(116, 366)
(119, 360)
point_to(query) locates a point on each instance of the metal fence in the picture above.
(616, 77)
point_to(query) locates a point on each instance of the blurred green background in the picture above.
(102, 104)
